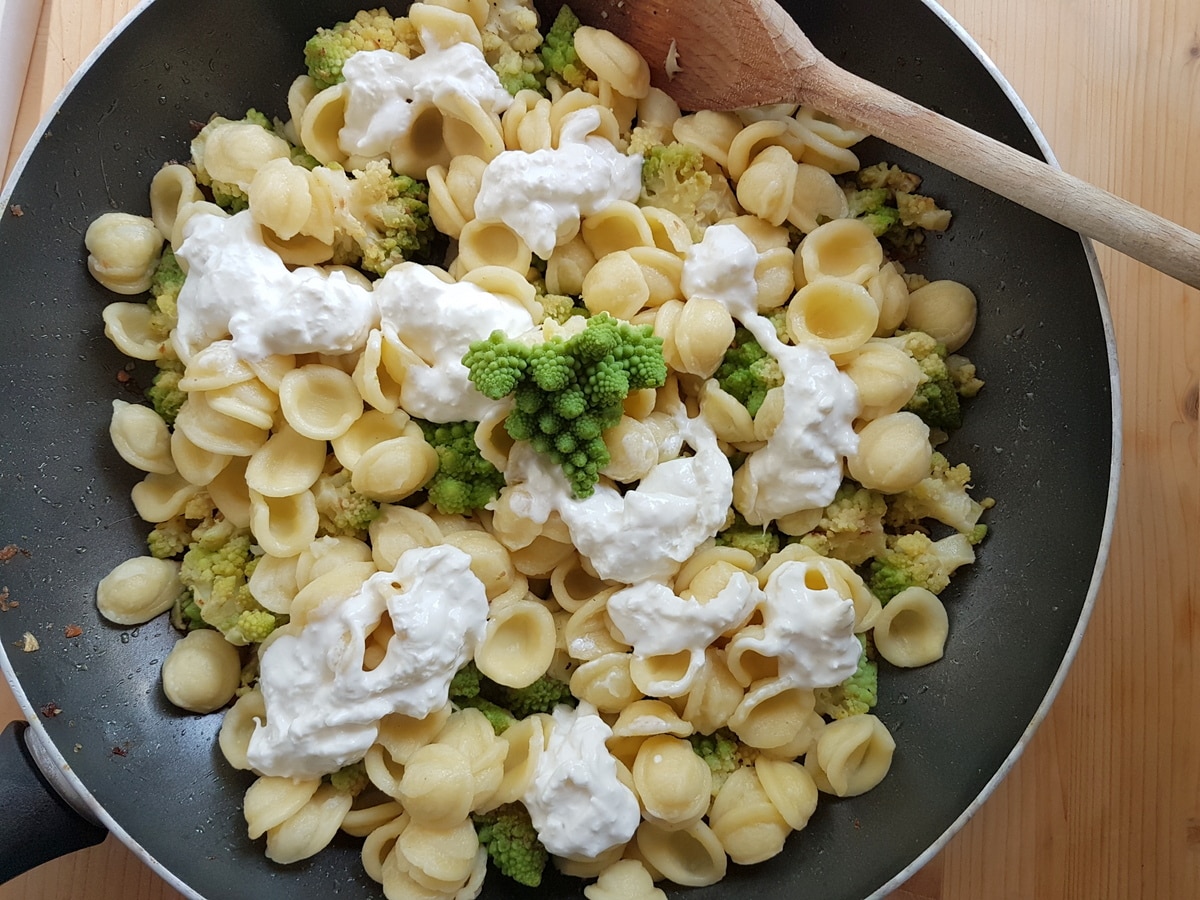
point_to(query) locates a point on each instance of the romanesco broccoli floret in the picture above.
(165, 285)
(465, 683)
(343, 511)
(963, 375)
(391, 221)
(512, 843)
(675, 178)
(351, 779)
(566, 393)
(857, 694)
(851, 526)
(164, 393)
(748, 371)
(498, 717)
(723, 753)
(916, 560)
(510, 45)
(540, 697)
(557, 307)
(942, 496)
(215, 573)
(882, 196)
(759, 540)
(464, 480)
(558, 50)
(935, 399)
(371, 29)
(170, 538)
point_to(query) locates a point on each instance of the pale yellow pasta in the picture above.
(379, 844)
(439, 860)
(215, 431)
(272, 800)
(328, 554)
(758, 137)
(436, 788)
(912, 628)
(775, 276)
(492, 244)
(851, 756)
(893, 455)
(526, 122)
(745, 821)
(280, 198)
(725, 414)
(371, 377)
(238, 724)
(945, 310)
(712, 132)
(836, 315)
(656, 114)
(371, 428)
(202, 672)
(288, 463)
(518, 645)
(767, 186)
(890, 292)
(662, 675)
(691, 857)
(138, 589)
(470, 732)
(591, 868)
(714, 696)
(538, 558)
(393, 469)
(827, 142)
(320, 402)
(746, 661)
(172, 188)
(233, 152)
(471, 131)
(141, 437)
(398, 529)
(790, 789)
(195, 464)
(662, 269)
(573, 101)
(299, 95)
(490, 561)
(284, 526)
(572, 585)
(526, 740)
(363, 820)
(626, 879)
(771, 713)
(273, 583)
(589, 631)
(383, 770)
(815, 196)
(632, 448)
(213, 367)
(444, 24)
(708, 561)
(616, 285)
(129, 327)
(310, 830)
(838, 133)
(123, 251)
(670, 232)
(230, 494)
(885, 377)
(509, 284)
(157, 498)
(325, 116)
(695, 334)
(841, 248)
(606, 682)
(567, 267)
(250, 401)
(401, 735)
(672, 782)
(619, 226)
(613, 61)
(330, 588)
(301, 250)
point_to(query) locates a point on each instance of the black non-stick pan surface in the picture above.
(1040, 439)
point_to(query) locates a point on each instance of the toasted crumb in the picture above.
(9, 552)
(16, 210)
(29, 643)
(5, 603)
(72, 631)
(50, 710)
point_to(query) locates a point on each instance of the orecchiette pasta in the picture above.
(202, 672)
(912, 628)
(851, 755)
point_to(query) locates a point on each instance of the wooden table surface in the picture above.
(1105, 802)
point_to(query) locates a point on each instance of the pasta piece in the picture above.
(626, 879)
(526, 122)
(613, 61)
(756, 139)
(250, 402)
(128, 326)
(470, 731)
(215, 431)
(715, 694)
(325, 116)
(437, 788)
(392, 470)
(329, 554)
(138, 589)
(672, 782)
(692, 857)
(172, 188)
(890, 292)
(328, 588)
(202, 672)
(271, 801)
(670, 232)
(712, 132)
(885, 377)
(745, 660)
(912, 628)
(214, 367)
(568, 266)
(492, 244)
(284, 526)
(893, 455)
(841, 248)
(538, 558)
(123, 251)
(589, 631)
(401, 735)
(816, 196)
(775, 276)
(725, 414)
(158, 498)
(745, 821)
(362, 821)
(572, 585)
(771, 713)
(287, 464)
(379, 845)
(280, 198)
(230, 494)
(239, 723)
(606, 682)
(195, 464)
(273, 583)
(767, 186)
(526, 741)
(790, 789)
(398, 529)
(444, 25)
(616, 285)
(851, 756)
(826, 144)
(299, 95)
(839, 134)
(371, 428)
(945, 310)
(309, 831)
(518, 646)
(713, 565)
(320, 402)
(234, 151)
(836, 315)
(619, 226)
(141, 437)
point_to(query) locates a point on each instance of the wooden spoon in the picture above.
(739, 53)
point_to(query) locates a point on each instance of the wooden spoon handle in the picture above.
(1010, 173)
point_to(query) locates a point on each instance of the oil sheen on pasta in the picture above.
(323, 708)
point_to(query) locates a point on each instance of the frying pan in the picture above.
(1043, 438)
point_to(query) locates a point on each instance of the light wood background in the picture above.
(1105, 803)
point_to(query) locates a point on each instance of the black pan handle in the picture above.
(36, 824)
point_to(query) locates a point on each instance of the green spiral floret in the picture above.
(567, 392)
(464, 480)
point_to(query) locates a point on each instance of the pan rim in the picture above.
(65, 774)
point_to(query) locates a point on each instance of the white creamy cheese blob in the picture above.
(657, 621)
(542, 195)
(578, 806)
(809, 629)
(801, 465)
(238, 285)
(646, 533)
(438, 321)
(386, 92)
(323, 709)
